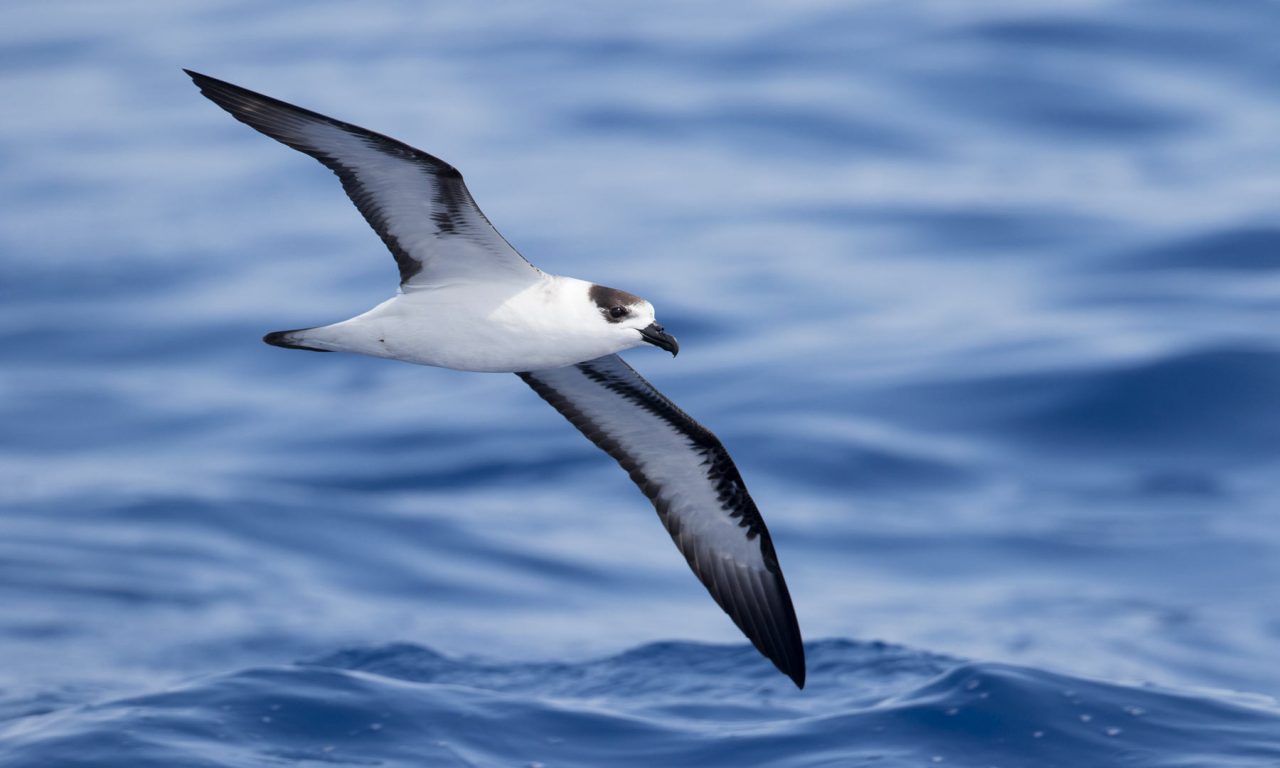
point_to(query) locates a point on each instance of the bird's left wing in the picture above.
(700, 497)
(416, 202)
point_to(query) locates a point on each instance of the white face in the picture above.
(629, 317)
(624, 314)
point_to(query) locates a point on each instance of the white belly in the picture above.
(485, 345)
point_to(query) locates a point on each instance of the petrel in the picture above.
(468, 301)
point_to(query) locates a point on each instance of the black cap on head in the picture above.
(608, 298)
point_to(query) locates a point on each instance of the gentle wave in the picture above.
(672, 704)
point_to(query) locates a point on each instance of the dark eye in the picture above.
(617, 312)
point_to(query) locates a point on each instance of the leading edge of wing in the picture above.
(716, 525)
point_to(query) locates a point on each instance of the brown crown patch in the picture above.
(607, 298)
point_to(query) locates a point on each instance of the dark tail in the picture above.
(287, 340)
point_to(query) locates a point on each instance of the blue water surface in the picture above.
(984, 298)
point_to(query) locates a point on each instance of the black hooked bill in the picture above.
(657, 336)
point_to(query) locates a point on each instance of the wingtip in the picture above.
(792, 665)
(207, 83)
(788, 655)
(797, 677)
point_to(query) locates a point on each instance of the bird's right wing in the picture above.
(694, 485)
(416, 202)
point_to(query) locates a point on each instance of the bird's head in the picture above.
(631, 316)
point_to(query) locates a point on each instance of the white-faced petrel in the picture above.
(469, 301)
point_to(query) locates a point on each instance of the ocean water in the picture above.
(984, 298)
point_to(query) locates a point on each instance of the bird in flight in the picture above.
(468, 301)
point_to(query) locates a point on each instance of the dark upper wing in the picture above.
(699, 495)
(416, 203)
